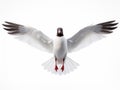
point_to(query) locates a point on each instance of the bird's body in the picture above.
(60, 46)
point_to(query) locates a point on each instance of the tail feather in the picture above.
(69, 65)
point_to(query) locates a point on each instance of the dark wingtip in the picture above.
(111, 21)
(6, 25)
(10, 29)
(108, 22)
(9, 22)
(3, 24)
(108, 26)
(107, 31)
(15, 32)
(115, 23)
(6, 29)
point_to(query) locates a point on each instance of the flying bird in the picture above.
(60, 63)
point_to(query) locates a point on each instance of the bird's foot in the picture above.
(56, 68)
(62, 68)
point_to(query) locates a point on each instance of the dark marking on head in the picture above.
(60, 32)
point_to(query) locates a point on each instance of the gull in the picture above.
(60, 63)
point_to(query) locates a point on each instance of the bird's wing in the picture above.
(90, 34)
(30, 35)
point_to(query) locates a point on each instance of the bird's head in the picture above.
(60, 32)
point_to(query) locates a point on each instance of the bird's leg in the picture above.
(56, 67)
(62, 68)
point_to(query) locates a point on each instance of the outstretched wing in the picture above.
(30, 35)
(90, 34)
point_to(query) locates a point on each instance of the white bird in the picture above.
(60, 63)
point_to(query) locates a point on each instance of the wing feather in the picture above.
(30, 35)
(90, 34)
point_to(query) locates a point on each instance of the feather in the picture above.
(30, 35)
(69, 65)
(90, 34)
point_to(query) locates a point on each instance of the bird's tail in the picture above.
(69, 66)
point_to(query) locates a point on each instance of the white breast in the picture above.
(60, 47)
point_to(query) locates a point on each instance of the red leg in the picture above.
(56, 67)
(62, 68)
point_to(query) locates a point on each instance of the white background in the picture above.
(20, 64)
